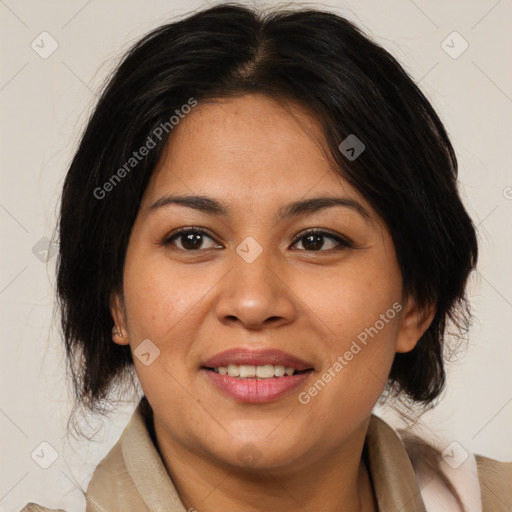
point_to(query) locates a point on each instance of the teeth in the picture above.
(265, 372)
(279, 371)
(246, 371)
(233, 370)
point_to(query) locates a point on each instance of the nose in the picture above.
(256, 295)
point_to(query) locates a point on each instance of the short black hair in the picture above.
(407, 172)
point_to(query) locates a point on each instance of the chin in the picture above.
(254, 459)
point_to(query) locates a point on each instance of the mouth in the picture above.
(256, 376)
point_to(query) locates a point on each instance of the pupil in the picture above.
(314, 245)
(192, 241)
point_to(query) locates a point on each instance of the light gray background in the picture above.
(44, 104)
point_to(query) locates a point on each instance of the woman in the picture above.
(262, 220)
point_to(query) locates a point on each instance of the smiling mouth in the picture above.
(267, 371)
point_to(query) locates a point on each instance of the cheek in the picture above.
(160, 304)
(165, 304)
(355, 302)
(158, 298)
(357, 313)
(347, 388)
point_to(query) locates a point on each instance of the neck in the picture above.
(338, 480)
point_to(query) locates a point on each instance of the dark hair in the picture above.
(407, 172)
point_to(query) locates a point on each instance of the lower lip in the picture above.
(256, 390)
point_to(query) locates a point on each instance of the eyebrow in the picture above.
(211, 206)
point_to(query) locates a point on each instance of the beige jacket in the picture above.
(133, 478)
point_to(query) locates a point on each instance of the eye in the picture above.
(313, 240)
(190, 239)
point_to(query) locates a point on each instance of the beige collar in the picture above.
(133, 474)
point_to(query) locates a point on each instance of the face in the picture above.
(254, 286)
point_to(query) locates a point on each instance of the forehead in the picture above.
(252, 145)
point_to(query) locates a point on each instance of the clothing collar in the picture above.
(134, 471)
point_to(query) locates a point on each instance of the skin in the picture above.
(255, 155)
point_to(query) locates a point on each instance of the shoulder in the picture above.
(496, 483)
(477, 482)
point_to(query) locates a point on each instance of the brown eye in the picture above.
(315, 241)
(189, 239)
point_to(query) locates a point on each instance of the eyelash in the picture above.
(343, 242)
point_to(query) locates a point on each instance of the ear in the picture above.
(117, 309)
(413, 324)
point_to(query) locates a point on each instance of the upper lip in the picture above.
(253, 357)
